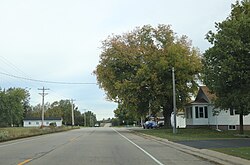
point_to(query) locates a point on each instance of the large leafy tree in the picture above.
(135, 69)
(13, 103)
(227, 69)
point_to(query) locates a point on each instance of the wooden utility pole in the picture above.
(43, 94)
(174, 102)
(72, 112)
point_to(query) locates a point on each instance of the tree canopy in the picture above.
(135, 69)
(226, 63)
(13, 104)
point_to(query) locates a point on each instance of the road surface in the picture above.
(93, 146)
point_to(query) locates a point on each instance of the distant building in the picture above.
(37, 122)
(202, 113)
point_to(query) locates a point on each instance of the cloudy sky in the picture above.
(60, 40)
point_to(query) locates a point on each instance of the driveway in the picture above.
(224, 143)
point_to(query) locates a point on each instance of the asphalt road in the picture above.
(93, 146)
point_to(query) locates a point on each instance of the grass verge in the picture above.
(21, 132)
(243, 152)
(203, 134)
(192, 134)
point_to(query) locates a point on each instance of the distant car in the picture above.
(160, 123)
(97, 125)
(149, 124)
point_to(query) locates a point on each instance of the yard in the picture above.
(203, 134)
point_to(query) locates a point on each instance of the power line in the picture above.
(11, 65)
(45, 81)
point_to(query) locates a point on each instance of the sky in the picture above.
(60, 41)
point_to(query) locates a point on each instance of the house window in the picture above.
(201, 112)
(37, 123)
(196, 112)
(206, 112)
(47, 123)
(231, 127)
(29, 123)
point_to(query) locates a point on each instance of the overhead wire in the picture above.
(26, 78)
(12, 67)
(46, 81)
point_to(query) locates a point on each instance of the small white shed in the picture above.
(37, 122)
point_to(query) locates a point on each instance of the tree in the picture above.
(135, 69)
(62, 108)
(79, 118)
(54, 110)
(124, 115)
(227, 69)
(90, 119)
(13, 103)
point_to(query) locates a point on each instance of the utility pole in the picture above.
(90, 118)
(72, 112)
(85, 122)
(43, 94)
(174, 102)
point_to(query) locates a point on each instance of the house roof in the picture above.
(206, 91)
(204, 96)
(39, 118)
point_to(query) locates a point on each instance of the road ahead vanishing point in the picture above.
(93, 146)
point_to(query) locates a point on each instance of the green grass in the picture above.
(192, 134)
(21, 132)
(243, 152)
(203, 134)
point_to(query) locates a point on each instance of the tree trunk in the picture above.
(241, 123)
(167, 110)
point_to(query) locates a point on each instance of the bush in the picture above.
(52, 124)
(3, 135)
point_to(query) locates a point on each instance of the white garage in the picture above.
(37, 122)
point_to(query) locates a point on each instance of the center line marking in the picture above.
(157, 161)
(24, 162)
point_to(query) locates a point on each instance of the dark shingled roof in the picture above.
(39, 118)
(204, 96)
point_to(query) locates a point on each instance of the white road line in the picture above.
(157, 161)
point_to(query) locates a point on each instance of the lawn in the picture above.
(21, 132)
(243, 152)
(192, 134)
(203, 134)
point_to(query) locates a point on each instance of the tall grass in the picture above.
(21, 132)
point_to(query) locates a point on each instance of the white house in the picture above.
(201, 113)
(37, 122)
